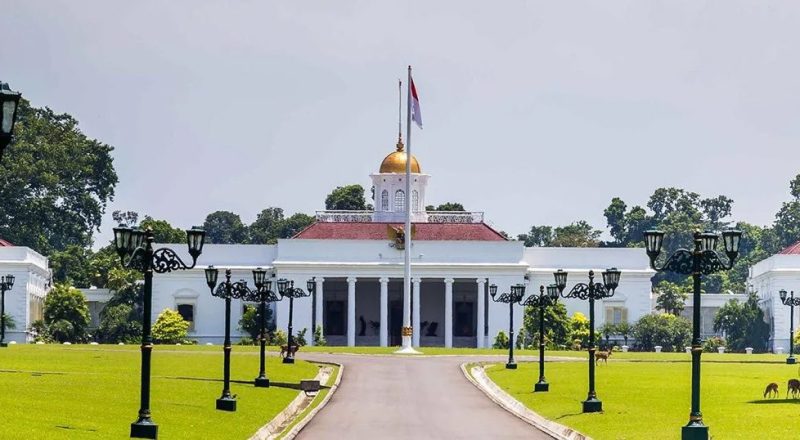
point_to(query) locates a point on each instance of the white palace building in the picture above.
(355, 262)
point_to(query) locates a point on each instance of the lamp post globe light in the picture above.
(286, 289)
(6, 284)
(9, 102)
(262, 295)
(135, 249)
(541, 302)
(592, 291)
(510, 298)
(704, 259)
(227, 291)
(790, 301)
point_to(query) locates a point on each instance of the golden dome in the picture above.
(396, 162)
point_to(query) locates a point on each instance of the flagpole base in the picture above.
(407, 348)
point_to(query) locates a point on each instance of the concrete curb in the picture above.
(307, 419)
(272, 429)
(478, 377)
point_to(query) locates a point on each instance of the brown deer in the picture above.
(285, 350)
(793, 386)
(604, 355)
(771, 389)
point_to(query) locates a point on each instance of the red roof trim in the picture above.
(793, 249)
(377, 231)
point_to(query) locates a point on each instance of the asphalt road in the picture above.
(383, 397)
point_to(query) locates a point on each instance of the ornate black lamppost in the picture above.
(262, 295)
(286, 289)
(510, 298)
(541, 302)
(6, 284)
(593, 291)
(703, 260)
(9, 100)
(135, 249)
(226, 291)
(791, 301)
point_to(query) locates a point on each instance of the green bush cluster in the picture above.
(671, 332)
(170, 328)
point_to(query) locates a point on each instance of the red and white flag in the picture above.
(416, 115)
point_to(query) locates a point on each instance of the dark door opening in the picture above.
(334, 318)
(395, 322)
(463, 319)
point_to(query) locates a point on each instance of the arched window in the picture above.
(399, 200)
(384, 200)
(415, 201)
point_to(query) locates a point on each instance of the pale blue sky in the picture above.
(535, 112)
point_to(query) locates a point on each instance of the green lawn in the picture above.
(92, 392)
(647, 399)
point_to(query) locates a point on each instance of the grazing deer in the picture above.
(793, 386)
(771, 389)
(285, 350)
(604, 355)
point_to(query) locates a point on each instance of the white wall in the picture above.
(32, 277)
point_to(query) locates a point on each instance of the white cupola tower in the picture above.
(390, 188)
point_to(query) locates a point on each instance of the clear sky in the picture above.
(536, 112)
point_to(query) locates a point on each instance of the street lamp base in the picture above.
(511, 366)
(226, 404)
(791, 360)
(3, 344)
(541, 387)
(592, 405)
(694, 431)
(262, 382)
(144, 428)
(288, 360)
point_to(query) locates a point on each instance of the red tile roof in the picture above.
(377, 231)
(4, 243)
(793, 249)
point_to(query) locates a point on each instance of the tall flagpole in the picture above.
(407, 329)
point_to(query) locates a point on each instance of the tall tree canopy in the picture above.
(56, 185)
(270, 225)
(449, 206)
(349, 197)
(224, 227)
(163, 232)
(577, 234)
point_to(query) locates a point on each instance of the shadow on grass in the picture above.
(774, 401)
(293, 386)
(567, 415)
(34, 373)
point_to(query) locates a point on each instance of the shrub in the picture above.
(664, 329)
(319, 339)
(246, 341)
(711, 344)
(119, 324)
(278, 337)
(11, 323)
(743, 324)
(66, 314)
(251, 321)
(170, 327)
(501, 340)
(579, 329)
(300, 337)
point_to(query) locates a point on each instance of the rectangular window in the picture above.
(187, 312)
(616, 315)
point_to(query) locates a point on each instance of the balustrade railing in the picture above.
(432, 216)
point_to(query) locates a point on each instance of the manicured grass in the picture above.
(92, 392)
(646, 399)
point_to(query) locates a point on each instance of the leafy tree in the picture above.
(743, 324)
(449, 206)
(163, 232)
(66, 314)
(170, 327)
(669, 331)
(56, 185)
(578, 234)
(538, 236)
(11, 323)
(120, 323)
(625, 330)
(556, 325)
(72, 266)
(266, 229)
(671, 297)
(251, 321)
(224, 227)
(501, 340)
(579, 329)
(607, 330)
(294, 224)
(349, 197)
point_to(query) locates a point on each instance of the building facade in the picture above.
(24, 303)
(767, 278)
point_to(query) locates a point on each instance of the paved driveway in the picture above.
(382, 397)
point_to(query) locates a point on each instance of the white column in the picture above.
(351, 311)
(481, 312)
(417, 282)
(448, 312)
(384, 334)
(320, 295)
